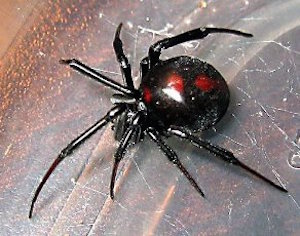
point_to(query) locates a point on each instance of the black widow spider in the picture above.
(177, 96)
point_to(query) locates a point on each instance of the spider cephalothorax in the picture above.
(176, 97)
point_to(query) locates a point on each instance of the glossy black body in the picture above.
(176, 97)
(186, 92)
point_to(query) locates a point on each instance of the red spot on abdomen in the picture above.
(147, 95)
(175, 81)
(204, 83)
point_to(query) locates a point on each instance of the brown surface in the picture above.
(44, 105)
(13, 15)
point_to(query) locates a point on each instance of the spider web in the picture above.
(261, 127)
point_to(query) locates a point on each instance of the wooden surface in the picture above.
(44, 105)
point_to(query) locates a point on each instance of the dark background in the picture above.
(45, 105)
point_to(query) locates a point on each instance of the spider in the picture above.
(178, 96)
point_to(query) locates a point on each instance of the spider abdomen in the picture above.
(185, 91)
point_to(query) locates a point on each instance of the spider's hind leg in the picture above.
(222, 153)
(196, 34)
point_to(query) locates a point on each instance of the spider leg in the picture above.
(224, 154)
(114, 112)
(172, 156)
(122, 59)
(119, 154)
(199, 33)
(93, 74)
(144, 66)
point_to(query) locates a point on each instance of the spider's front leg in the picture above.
(224, 154)
(113, 113)
(172, 156)
(133, 129)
